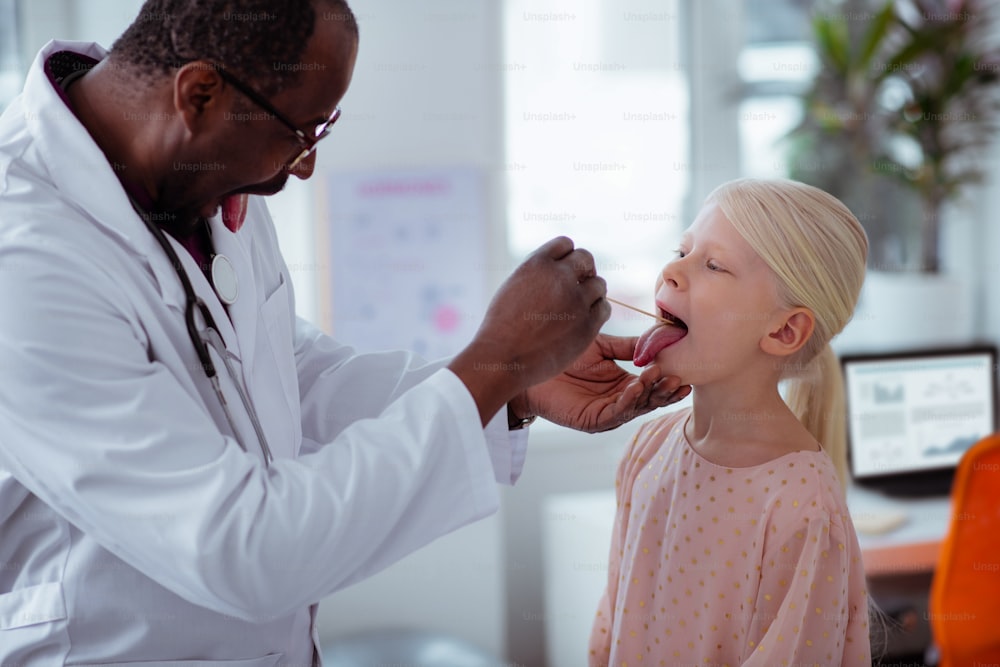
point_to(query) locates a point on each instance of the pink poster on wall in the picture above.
(407, 251)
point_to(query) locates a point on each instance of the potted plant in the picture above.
(948, 72)
(837, 145)
(895, 122)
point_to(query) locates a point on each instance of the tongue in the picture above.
(654, 340)
(234, 212)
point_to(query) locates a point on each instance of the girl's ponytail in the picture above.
(817, 399)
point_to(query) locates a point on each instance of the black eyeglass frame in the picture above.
(308, 143)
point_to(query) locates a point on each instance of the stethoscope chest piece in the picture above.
(224, 280)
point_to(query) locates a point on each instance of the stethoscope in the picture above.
(227, 288)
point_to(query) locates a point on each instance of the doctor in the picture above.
(186, 468)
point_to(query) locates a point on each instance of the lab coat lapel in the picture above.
(237, 247)
(206, 293)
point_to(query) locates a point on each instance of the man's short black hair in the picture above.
(260, 41)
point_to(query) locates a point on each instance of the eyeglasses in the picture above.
(308, 142)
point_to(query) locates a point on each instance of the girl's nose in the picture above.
(672, 275)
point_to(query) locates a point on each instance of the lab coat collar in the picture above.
(81, 172)
(76, 164)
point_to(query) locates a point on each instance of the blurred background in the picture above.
(475, 130)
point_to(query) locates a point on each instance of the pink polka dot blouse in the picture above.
(714, 566)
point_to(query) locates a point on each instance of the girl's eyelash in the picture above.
(712, 266)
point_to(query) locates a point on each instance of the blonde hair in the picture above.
(818, 250)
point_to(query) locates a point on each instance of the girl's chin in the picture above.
(669, 362)
(674, 361)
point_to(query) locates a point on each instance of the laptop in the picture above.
(912, 415)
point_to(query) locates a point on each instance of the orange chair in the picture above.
(964, 602)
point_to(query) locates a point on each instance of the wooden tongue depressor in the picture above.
(638, 310)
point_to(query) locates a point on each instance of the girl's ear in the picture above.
(791, 333)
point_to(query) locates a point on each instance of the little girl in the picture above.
(732, 542)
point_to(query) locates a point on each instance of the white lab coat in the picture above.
(133, 528)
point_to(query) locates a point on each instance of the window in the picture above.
(10, 70)
(775, 67)
(622, 116)
(597, 136)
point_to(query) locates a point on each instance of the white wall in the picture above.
(98, 21)
(41, 21)
(426, 92)
(985, 245)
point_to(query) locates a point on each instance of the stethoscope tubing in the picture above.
(201, 345)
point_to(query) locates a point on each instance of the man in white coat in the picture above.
(186, 468)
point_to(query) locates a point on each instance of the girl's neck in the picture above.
(744, 426)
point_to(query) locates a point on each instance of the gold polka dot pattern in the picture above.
(712, 565)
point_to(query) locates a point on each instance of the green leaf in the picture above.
(904, 61)
(831, 37)
(962, 74)
(875, 35)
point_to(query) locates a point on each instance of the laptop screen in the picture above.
(917, 411)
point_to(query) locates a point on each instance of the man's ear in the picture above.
(198, 89)
(790, 334)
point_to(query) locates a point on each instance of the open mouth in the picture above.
(673, 319)
(659, 337)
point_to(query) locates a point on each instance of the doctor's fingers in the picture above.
(594, 290)
(581, 262)
(667, 392)
(584, 273)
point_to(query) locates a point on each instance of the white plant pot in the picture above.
(906, 311)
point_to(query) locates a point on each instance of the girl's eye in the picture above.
(680, 253)
(712, 266)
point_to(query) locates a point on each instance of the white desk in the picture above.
(914, 545)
